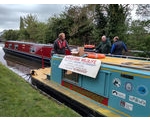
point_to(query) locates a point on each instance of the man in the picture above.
(104, 46)
(60, 44)
(118, 46)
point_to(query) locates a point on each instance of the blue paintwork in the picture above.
(56, 72)
(133, 86)
(138, 83)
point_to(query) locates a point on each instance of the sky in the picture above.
(10, 13)
(12, 10)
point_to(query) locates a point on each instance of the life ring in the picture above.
(89, 46)
(95, 55)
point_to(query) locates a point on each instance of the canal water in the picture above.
(19, 65)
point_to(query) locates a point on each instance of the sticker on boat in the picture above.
(117, 82)
(137, 100)
(128, 86)
(126, 105)
(118, 94)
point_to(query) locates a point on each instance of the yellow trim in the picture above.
(118, 111)
(125, 73)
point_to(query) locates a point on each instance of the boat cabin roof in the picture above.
(31, 43)
(127, 62)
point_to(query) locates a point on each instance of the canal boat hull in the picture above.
(121, 87)
(39, 52)
(27, 56)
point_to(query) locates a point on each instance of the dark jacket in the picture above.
(60, 46)
(104, 47)
(118, 47)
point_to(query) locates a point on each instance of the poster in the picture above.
(85, 66)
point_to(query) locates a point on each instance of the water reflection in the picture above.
(19, 65)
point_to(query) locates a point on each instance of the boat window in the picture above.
(16, 47)
(32, 49)
(70, 76)
(10, 46)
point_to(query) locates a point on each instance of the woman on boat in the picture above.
(60, 44)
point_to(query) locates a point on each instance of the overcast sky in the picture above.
(10, 13)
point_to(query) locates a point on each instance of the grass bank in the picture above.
(18, 98)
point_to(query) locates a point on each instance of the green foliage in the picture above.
(100, 20)
(31, 25)
(117, 16)
(139, 37)
(11, 35)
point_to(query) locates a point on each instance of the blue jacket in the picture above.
(117, 47)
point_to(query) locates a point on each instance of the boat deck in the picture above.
(41, 75)
(126, 62)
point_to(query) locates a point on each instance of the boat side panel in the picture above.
(56, 72)
(129, 90)
(98, 85)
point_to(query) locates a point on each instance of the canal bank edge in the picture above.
(19, 99)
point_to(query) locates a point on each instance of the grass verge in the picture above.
(19, 99)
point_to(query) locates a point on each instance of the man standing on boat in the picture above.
(118, 46)
(60, 44)
(104, 46)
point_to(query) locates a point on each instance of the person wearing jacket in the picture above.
(104, 46)
(60, 44)
(118, 46)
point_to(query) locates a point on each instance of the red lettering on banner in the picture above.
(73, 58)
(89, 61)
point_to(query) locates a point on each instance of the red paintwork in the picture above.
(82, 91)
(40, 49)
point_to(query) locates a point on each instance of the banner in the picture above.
(85, 66)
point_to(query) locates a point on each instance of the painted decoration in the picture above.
(137, 100)
(85, 66)
(142, 90)
(118, 94)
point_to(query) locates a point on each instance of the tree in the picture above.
(41, 32)
(117, 19)
(100, 19)
(23, 34)
(11, 34)
(55, 26)
(143, 11)
(30, 24)
(21, 23)
(138, 37)
(80, 30)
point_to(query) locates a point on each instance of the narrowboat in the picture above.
(107, 86)
(30, 50)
